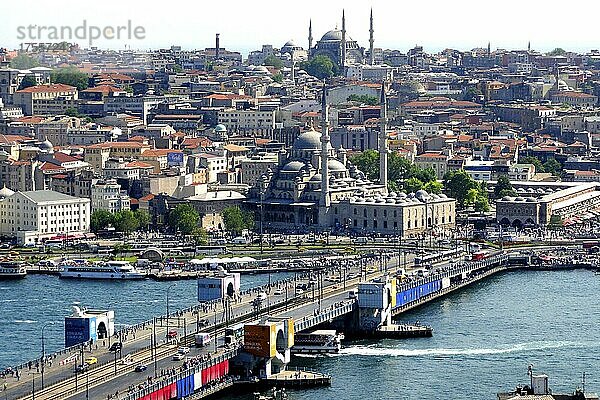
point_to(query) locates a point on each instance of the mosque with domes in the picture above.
(314, 186)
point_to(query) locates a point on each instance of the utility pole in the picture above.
(154, 344)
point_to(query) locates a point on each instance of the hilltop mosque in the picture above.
(316, 187)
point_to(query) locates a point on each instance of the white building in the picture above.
(214, 164)
(107, 195)
(35, 215)
(376, 73)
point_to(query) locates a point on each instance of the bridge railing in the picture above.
(466, 267)
(174, 377)
(324, 316)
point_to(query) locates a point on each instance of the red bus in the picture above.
(479, 255)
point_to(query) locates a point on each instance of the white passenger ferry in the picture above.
(102, 270)
(317, 342)
(12, 270)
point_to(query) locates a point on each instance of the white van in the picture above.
(202, 339)
(361, 240)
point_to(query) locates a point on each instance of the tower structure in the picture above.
(371, 55)
(310, 36)
(343, 63)
(325, 201)
(383, 150)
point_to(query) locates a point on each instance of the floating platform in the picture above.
(297, 379)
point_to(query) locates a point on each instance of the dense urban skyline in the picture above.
(434, 24)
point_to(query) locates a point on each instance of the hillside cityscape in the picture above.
(319, 196)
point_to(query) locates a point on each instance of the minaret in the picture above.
(325, 200)
(343, 63)
(371, 56)
(383, 151)
(489, 53)
(529, 46)
(310, 38)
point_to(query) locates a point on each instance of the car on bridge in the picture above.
(116, 346)
(172, 334)
(140, 368)
(82, 368)
(91, 360)
(178, 357)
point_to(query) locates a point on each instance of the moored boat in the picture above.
(12, 270)
(102, 270)
(317, 342)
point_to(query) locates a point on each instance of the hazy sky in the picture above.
(246, 25)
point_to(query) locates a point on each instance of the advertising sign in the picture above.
(175, 159)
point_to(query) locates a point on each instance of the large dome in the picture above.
(333, 35)
(309, 140)
(335, 165)
(293, 166)
(220, 128)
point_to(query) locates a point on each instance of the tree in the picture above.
(23, 61)
(100, 219)
(557, 52)
(472, 94)
(504, 187)
(273, 61)
(70, 76)
(412, 185)
(367, 162)
(248, 218)
(539, 168)
(143, 218)
(552, 166)
(184, 218)
(481, 204)
(556, 222)
(364, 99)
(125, 221)
(28, 81)
(200, 236)
(320, 67)
(462, 187)
(233, 219)
(433, 187)
(277, 77)
(72, 112)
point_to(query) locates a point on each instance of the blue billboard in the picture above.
(175, 159)
(79, 330)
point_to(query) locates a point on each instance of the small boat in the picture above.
(102, 270)
(12, 270)
(317, 342)
(275, 394)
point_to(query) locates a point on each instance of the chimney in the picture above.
(217, 47)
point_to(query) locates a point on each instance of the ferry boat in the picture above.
(12, 270)
(102, 270)
(317, 342)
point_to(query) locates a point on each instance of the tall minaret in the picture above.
(489, 50)
(325, 200)
(343, 63)
(383, 150)
(371, 56)
(310, 38)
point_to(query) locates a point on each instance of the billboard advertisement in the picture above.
(175, 159)
(77, 330)
(260, 340)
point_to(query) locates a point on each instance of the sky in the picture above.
(247, 25)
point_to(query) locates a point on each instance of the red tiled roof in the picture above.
(51, 88)
(106, 89)
(147, 197)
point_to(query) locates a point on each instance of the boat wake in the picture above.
(441, 352)
(20, 321)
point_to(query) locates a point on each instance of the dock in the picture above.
(297, 379)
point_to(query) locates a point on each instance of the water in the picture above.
(485, 336)
(27, 304)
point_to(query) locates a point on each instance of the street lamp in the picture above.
(263, 188)
(32, 385)
(44, 349)
(168, 289)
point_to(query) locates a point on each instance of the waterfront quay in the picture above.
(325, 305)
